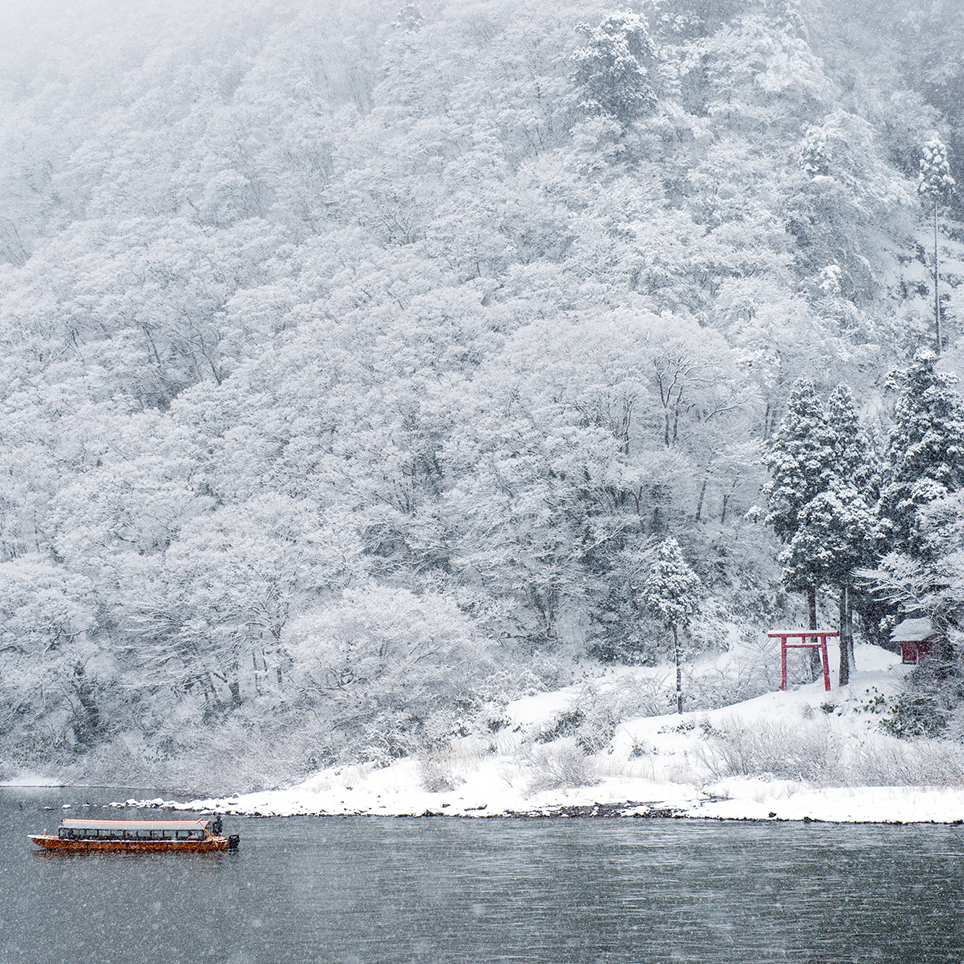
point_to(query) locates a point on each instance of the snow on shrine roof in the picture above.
(133, 824)
(912, 631)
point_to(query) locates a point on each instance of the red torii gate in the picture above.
(819, 637)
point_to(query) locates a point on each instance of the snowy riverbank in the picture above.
(734, 763)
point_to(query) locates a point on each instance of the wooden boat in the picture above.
(139, 836)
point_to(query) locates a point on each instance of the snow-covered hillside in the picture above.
(358, 362)
(828, 759)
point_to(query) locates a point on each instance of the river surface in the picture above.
(373, 890)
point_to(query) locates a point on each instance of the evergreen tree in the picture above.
(821, 497)
(612, 67)
(834, 539)
(801, 463)
(934, 588)
(934, 185)
(410, 18)
(671, 594)
(854, 493)
(813, 153)
(924, 458)
(854, 459)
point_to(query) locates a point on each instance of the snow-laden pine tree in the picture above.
(813, 153)
(852, 521)
(854, 458)
(821, 497)
(801, 461)
(834, 539)
(933, 587)
(671, 594)
(613, 67)
(921, 512)
(924, 457)
(934, 185)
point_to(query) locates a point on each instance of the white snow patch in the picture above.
(537, 710)
(31, 780)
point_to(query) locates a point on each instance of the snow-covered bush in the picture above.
(560, 765)
(602, 707)
(384, 671)
(785, 749)
(822, 752)
(889, 762)
(444, 768)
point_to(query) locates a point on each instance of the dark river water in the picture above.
(376, 890)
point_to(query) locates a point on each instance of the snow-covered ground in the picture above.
(704, 765)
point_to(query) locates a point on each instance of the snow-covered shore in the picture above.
(395, 793)
(653, 766)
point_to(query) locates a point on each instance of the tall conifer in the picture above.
(934, 185)
(820, 497)
(613, 67)
(924, 458)
(800, 461)
(671, 594)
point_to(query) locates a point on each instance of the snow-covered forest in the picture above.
(363, 362)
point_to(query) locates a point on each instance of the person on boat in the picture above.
(216, 825)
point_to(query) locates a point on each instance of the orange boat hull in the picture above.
(50, 842)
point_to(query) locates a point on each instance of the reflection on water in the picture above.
(441, 890)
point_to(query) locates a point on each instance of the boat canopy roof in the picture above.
(134, 824)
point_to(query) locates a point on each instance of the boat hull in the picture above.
(210, 845)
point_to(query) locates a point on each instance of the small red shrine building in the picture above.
(916, 638)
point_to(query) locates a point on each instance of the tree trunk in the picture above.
(850, 629)
(937, 290)
(90, 725)
(726, 501)
(679, 673)
(816, 664)
(234, 688)
(846, 634)
(699, 502)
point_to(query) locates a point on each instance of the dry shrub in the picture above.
(816, 751)
(890, 762)
(755, 671)
(786, 749)
(437, 773)
(561, 765)
(444, 768)
(602, 708)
